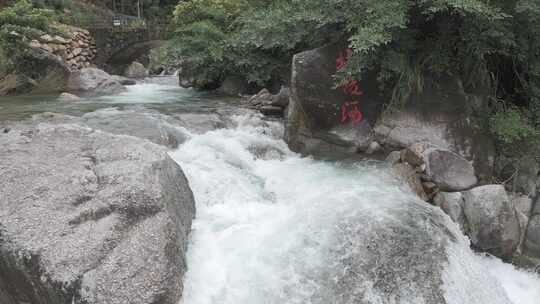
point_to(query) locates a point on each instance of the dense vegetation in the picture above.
(18, 24)
(492, 45)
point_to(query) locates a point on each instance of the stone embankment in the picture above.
(78, 51)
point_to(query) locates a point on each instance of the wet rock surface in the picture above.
(408, 175)
(90, 217)
(150, 125)
(406, 255)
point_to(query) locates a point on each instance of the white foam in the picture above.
(523, 287)
(149, 91)
(265, 225)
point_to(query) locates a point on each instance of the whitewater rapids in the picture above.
(269, 228)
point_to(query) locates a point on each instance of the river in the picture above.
(270, 222)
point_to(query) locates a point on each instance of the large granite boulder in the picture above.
(94, 82)
(90, 217)
(323, 117)
(492, 221)
(136, 70)
(448, 170)
(42, 73)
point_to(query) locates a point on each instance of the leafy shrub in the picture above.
(18, 24)
(511, 126)
(491, 45)
(23, 14)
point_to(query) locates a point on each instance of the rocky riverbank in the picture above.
(56, 64)
(432, 143)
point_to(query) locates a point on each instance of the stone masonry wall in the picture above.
(78, 52)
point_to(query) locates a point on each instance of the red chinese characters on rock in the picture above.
(349, 110)
(351, 88)
(342, 59)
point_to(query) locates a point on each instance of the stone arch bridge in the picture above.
(118, 46)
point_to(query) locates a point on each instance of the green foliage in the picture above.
(492, 45)
(18, 24)
(23, 14)
(511, 126)
(83, 14)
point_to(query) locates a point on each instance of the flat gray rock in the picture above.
(155, 127)
(90, 217)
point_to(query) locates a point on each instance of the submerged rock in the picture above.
(90, 217)
(94, 82)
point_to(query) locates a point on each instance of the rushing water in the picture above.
(268, 220)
